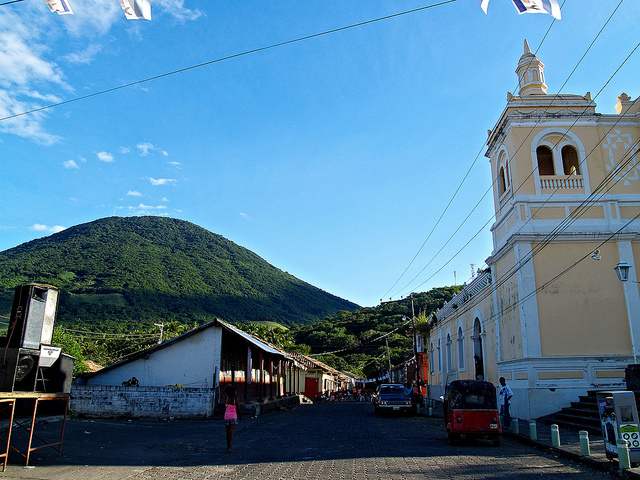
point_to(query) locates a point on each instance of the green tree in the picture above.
(70, 346)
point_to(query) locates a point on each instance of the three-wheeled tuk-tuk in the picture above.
(471, 409)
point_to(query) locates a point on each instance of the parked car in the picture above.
(392, 397)
(471, 410)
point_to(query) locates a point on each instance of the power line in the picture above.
(518, 149)
(110, 336)
(581, 209)
(451, 200)
(555, 191)
(368, 342)
(228, 57)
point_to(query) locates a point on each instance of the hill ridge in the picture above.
(129, 272)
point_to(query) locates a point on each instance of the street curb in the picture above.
(606, 467)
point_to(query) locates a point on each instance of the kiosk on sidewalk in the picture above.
(619, 420)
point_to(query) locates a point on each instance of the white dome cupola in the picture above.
(530, 72)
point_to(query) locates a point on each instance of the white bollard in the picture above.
(555, 436)
(515, 427)
(533, 430)
(623, 455)
(585, 449)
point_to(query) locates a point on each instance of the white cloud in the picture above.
(176, 9)
(162, 181)
(143, 209)
(176, 164)
(38, 227)
(149, 207)
(27, 126)
(94, 18)
(49, 98)
(105, 157)
(29, 64)
(244, 215)
(145, 148)
(124, 150)
(133, 193)
(70, 164)
(86, 56)
(21, 63)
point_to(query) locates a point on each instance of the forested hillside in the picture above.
(357, 341)
(121, 274)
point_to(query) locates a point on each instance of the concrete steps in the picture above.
(581, 415)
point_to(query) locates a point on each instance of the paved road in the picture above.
(326, 441)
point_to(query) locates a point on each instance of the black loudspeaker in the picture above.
(32, 316)
(18, 369)
(56, 376)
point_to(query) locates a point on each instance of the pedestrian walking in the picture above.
(505, 399)
(232, 415)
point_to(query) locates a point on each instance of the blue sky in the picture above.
(332, 157)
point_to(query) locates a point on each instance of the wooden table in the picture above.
(32, 400)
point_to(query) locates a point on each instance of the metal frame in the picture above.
(31, 421)
(7, 442)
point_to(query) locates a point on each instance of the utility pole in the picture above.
(415, 339)
(386, 341)
(161, 326)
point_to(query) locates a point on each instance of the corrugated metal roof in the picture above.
(253, 340)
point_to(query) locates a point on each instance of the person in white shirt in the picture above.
(505, 399)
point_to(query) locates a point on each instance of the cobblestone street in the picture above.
(327, 441)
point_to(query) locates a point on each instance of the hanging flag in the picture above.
(60, 6)
(136, 9)
(531, 6)
(538, 6)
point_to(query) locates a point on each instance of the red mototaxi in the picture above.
(471, 410)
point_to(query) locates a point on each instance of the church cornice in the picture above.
(583, 237)
(541, 108)
(511, 117)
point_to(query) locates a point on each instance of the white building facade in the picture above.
(549, 313)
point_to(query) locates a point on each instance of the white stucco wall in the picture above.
(142, 402)
(191, 362)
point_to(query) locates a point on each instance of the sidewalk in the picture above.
(570, 448)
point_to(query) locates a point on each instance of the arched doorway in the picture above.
(477, 349)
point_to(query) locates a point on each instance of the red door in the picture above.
(311, 387)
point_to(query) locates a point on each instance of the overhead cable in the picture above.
(520, 146)
(228, 57)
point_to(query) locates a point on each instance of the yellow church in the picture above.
(549, 313)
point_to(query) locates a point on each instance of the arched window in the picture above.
(460, 340)
(449, 353)
(545, 161)
(507, 182)
(570, 162)
(433, 365)
(535, 75)
(502, 182)
(477, 349)
(439, 358)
